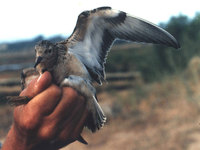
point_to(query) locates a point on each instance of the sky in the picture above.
(25, 19)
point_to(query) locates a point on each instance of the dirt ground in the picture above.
(163, 115)
(166, 117)
(175, 127)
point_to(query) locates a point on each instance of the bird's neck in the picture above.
(58, 69)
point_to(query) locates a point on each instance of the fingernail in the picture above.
(38, 80)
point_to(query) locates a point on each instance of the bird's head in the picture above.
(46, 56)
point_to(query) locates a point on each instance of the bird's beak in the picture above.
(38, 60)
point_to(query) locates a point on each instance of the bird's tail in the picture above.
(96, 117)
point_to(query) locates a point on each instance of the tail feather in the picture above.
(96, 117)
(99, 116)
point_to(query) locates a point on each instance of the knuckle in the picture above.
(55, 91)
(29, 123)
(25, 118)
(70, 91)
(29, 119)
(47, 132)
(72, 94)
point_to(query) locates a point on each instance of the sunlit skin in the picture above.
(51, 120)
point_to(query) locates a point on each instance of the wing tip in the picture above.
(177, 46)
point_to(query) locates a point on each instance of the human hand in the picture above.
(52, 119)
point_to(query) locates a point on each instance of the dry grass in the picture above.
(163, 115)
(162, 121)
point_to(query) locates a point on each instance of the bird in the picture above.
(79, 60)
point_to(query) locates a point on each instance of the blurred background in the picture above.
(152, 99)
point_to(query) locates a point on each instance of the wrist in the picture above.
(14, 141)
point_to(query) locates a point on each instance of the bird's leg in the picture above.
(17, 100)
(96, 117)
(27, 75)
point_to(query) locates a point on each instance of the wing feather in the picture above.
(96, 31)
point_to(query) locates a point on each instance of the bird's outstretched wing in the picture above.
(97, 29)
